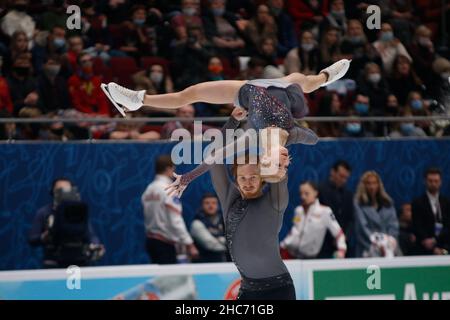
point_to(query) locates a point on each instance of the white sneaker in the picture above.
(122, 98)
(336, 71)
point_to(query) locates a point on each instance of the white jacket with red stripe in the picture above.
(163, 213)
(308, 232)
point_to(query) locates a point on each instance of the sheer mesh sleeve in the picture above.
(301, 135)
(188, 177)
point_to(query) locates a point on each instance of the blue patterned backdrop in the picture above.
(112, 176)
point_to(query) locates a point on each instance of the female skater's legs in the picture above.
(216, 92)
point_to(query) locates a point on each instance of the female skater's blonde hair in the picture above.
(381, 198)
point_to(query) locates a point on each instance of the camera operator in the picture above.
(63, 229)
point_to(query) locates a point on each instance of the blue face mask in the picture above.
(387, 36)
(353, 128)
(218, 12)
(139, 22)
(189, 11)
(417, 104)
(361, 108)
(356, 39)
(59, 42)
(407, 128)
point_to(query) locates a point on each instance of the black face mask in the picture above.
(20, 7)
(22, 71)
(58, 132)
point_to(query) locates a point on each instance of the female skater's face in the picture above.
(278, 155)
(249, 180)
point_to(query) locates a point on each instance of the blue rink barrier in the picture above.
(112, 177)
(407, 278)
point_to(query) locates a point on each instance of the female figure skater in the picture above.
(269, 103)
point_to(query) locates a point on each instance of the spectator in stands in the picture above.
(330, 47)
(133, 131)
(261, 26)
(373, 85)
(95, 32)
(420, 108)
(187, 112)
(155, 80)
(354, 128)
(18, 19)
(18, 45)
(41, 233)
(392, 107)
(423, 53)
(376, 223)
(356, 47)
(401, 14)
(307, 14)
(138, 37)
(329, 106)
(75, 48)
(305, 58)
(388, 47)
(335, 19)
(221, 28)
(189, 17)
(22, 84)
(431, 216)
(5, 96)
(441, 85)
(406, 238)
(8, 129)
(403, 79)
(312, 220)
(52, 88)
(407, 129)
(254, 70)
(55, 45)
(287, 38)
(267, 51)
(84, 89)
(54, 16)
(30, 131)
(215, 69)
(163, 217)
(207, 230)
(361, 106)
(117, 10)
(190, 60)
(334, 194)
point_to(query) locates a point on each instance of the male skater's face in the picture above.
(249, 180)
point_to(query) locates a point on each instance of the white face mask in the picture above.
(424, 41)
(445, 75)
(374, 77)
(307, 46)
(156, 77)
(189, 11)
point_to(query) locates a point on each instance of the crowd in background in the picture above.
(49, 70)
(330, 222)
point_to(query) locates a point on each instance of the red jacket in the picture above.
(87, 95)
(302, 12)
(5, 97)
